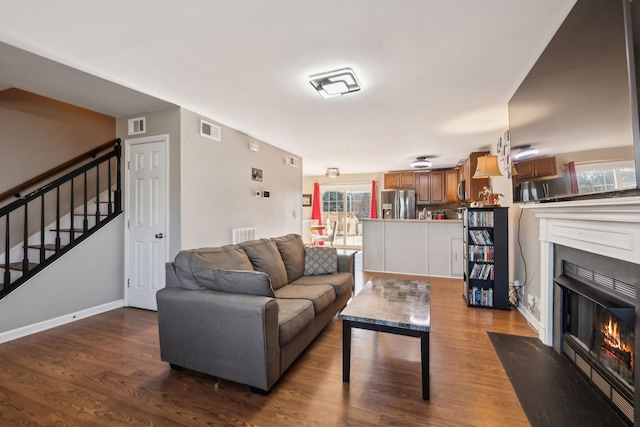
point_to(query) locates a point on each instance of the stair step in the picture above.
(47, 247)
(18, 266)
(68, 230)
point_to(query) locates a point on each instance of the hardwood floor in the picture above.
(106, 370)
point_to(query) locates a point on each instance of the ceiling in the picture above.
(436, 75)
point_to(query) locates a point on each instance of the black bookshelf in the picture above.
(486, 257)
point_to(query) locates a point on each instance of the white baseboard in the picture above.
(58, 321)
(533, 322)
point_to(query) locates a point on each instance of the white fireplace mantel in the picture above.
(609, 227)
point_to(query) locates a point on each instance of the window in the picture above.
(347, 206)
(605, 176)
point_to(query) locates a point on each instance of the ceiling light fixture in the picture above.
(524, 152)
(487, 167)
(333, 172)
(335, 83)
(421, 163)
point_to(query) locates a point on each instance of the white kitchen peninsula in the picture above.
(407, 246)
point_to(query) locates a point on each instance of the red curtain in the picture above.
(373, 210)
(574, 178)
(316, 209)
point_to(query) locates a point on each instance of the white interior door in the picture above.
(147, 220)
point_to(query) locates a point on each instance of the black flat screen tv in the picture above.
(579, 102)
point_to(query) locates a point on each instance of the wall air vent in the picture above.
(137, 125)
(293, 161)
(242, 234)
(209, 130)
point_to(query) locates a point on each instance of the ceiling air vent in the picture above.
(137, 125)
(209, 130)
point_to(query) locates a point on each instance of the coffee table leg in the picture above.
(424, 349)
(346, 350)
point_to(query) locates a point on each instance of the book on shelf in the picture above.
(481, 218)
(481, 271)
(481, 237)
(481, 297)
(480, 253)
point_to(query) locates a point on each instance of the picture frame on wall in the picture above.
(306, 200)
(256, 174)
(504, 154)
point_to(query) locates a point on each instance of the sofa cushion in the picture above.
(319, 260)
(265, 256)
(293, 316)
(291, 249)
(342, 282)
(320, 295)
(241, 282)
(195, 267)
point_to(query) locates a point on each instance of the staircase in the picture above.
(42, 226)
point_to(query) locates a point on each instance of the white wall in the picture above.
(217, 192)
(89, 276)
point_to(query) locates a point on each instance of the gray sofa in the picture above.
(246, 312)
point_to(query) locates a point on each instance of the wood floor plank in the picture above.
(106, 370)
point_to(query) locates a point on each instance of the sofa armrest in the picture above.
(171, 277)
(231, 336)
(346, 263)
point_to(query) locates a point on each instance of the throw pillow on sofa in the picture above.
(291, 249)
(242, 282)
(319, 260)
(194, 267)
(265, 256)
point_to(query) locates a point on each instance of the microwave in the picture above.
(461, 191)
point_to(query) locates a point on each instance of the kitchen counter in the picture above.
(431, 247)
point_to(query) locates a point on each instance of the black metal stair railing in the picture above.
(99, 186)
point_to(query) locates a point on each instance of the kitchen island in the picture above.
(412, 246)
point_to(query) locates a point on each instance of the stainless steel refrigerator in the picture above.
(399, 204)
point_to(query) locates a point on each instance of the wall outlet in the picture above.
(530, 299)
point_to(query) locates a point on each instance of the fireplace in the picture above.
(589, 301)
(595, 321)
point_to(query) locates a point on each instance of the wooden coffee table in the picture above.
(395, 306)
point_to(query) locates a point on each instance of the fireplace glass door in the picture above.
(607, 334)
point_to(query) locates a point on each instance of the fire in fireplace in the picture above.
(613, 343)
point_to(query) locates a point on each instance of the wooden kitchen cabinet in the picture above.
(451, 185)
(399, 180)
(431, 187)
(536, 168)
(472, 187)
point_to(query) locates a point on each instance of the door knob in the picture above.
(159, 236)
